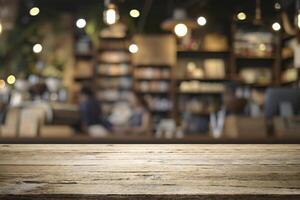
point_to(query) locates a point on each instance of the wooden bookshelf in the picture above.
(114, 71)
(154, 74)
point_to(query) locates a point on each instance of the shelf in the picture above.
(114, 75)
(83, 78)
(84, 56)
(114, 88)
(113, 38)
(289, 58)
(154, 92)
(201, 93)
(203, 80)
(160, 111)
(114, 63)
(271, 58)
(100, 50)
(203, 53)
(289, 82)
(197, 113)
(153, 66)
(256, 85)
(153, 79)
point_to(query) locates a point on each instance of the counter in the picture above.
(148, 171)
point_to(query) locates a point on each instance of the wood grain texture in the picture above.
(189, 171)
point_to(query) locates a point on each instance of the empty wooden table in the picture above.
(187, 171)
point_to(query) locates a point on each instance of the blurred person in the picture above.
(138, 121)
(92, 119)
(233, 104)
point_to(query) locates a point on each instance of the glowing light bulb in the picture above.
(180, 30)
(262, 47)
(133, 48)
(134, 13)
(241, 16)
(11, 79)
(80, 23)
(201, 21)
(277, 6)
(34, 11)
(37, 48)
(276, 26)
(111, 16)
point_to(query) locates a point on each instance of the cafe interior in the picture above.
(149, 71)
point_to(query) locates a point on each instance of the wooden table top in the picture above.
(141, 171)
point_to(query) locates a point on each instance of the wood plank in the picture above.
(181, 171)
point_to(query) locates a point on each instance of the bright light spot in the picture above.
(298, 20)
(1, 28)
(180, 30)
(110, 16)
(34, 11)
(277, 6)
(276, 26)
(11, 79)
(262, 47)
(37, 48)
(134, 13)
(80, 23)
(201, 21)
(2, 84)
(241, 16)
(133, 48)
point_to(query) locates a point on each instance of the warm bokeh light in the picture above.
(11, 79)
(277, 6)
(133, 48)
(241, 16)
(201, 21)
(180, 30)
(276, 26)
(0, 28)
(2, 84)
(34, 11)
(262, 47)
(298, 20)
(111, 16)
(134, 13)
(80, 23)
(37, 48)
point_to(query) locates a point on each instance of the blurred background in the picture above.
(133, 71)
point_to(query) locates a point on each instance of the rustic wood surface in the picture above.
(188, 171)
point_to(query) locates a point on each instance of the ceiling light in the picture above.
(298, 19)
(241, 16)
(133, 48)
(110, 14)
(80, 23)
(34, 11)
(37, 48)
(179, 17)
(180, 30)
(11, 79)
(277, 6)
(134, 13)
(201, 21)
(276, 26)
